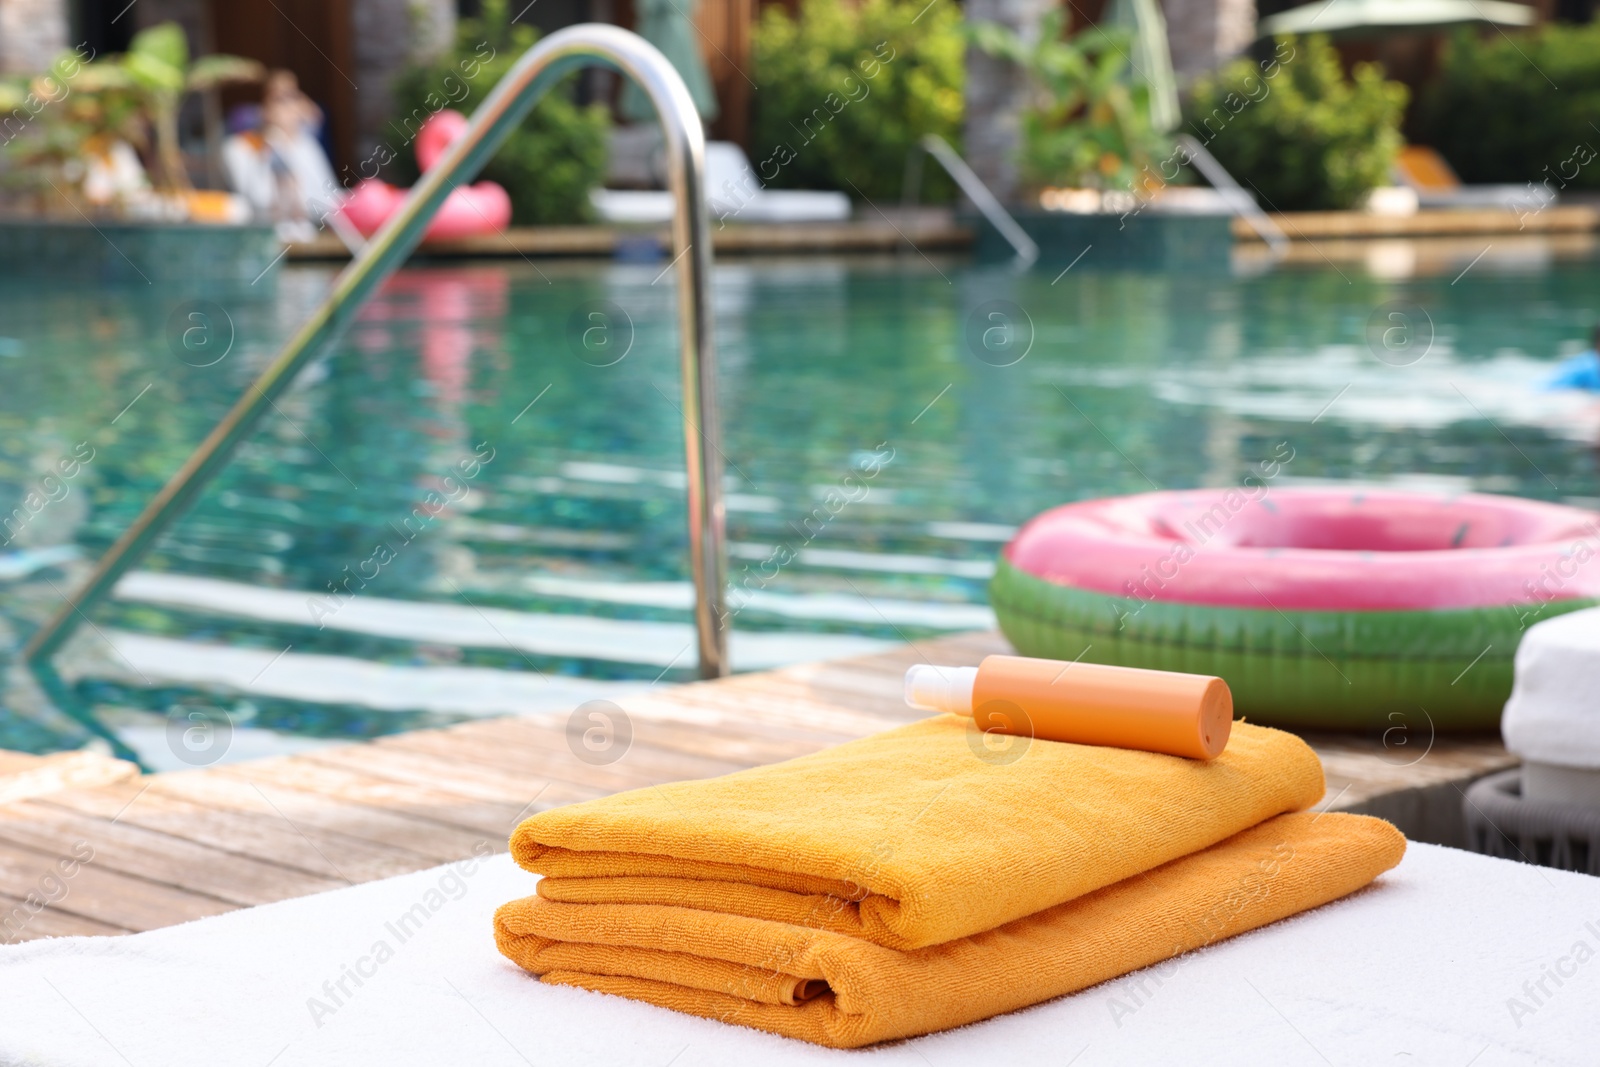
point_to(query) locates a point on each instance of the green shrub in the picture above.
(1296, 130)
(1492, 113)
(1087, 121)
(846, 91)
(548, 165)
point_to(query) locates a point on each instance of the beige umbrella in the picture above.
(1371, 18)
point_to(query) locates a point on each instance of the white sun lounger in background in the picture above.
(1450, 958)
(733, 192)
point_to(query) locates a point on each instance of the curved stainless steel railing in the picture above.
(504, 108)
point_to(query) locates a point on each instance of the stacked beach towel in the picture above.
(910, 882)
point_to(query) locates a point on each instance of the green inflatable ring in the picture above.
(1369, 669)
(1328, 607)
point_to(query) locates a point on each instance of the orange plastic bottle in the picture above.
(1083, 703)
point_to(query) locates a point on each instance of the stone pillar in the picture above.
(995, 94)
(32, 34)
(1204, 34)
(387, 35)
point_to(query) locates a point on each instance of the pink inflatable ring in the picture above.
(1341, 608)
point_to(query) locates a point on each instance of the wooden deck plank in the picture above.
(338, 818)
(424, 768)
(23, 775)
(156, 857)
(175, 846)
(242, 833)
(738, 729)
(714, 748)
(548, 735)
(427, 803)
(100, 894)
(1310, 225)
(545, 752)
(21, 920)
(859, 235)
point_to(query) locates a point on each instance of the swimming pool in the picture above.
(887, 423)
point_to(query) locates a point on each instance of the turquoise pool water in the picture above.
(942, 402)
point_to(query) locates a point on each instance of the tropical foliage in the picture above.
(548, 165)
(1296, 131)
(1087, 120)
(156, 73)
(845, 91)
(1494, 113)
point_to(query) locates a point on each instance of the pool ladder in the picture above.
(502, 111)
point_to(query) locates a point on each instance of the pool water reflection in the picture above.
(492, 460)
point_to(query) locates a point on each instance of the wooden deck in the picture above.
(933, 229)
(929, 231)
(135, 854)
(1325, 225)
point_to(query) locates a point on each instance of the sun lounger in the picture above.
(733, 192)
(1446, 957)
(1423, 169)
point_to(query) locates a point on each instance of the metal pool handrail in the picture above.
(1240, 202)
(933, 145)
(504, 108)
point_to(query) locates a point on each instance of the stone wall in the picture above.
(1204, 34)
(995, 95)
(385, 36)
(190, 14)
(32, 34)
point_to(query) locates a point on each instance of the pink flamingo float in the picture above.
(470, 211)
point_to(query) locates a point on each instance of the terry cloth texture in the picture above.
(843, 992)
(915, 836)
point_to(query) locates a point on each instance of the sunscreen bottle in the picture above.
(1083, 703)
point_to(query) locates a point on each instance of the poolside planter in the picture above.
(1142, 241)
(1360, 638)
(137, 252)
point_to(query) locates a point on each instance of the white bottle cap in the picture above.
(941, 688)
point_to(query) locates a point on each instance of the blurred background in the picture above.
(1359, 230)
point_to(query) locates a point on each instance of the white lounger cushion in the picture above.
(1447, 959)
(1553, 715)
(732, 192)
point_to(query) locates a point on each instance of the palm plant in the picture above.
(156, 71)
(1087, 122)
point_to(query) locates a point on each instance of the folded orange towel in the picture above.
(840, 991)
(911, 837)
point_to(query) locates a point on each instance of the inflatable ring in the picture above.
(1346, 609)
